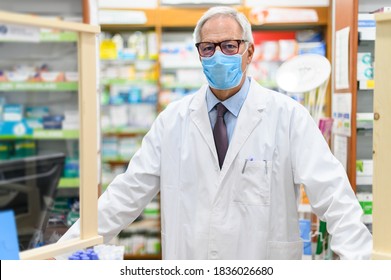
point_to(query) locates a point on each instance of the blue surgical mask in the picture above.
(223, 71)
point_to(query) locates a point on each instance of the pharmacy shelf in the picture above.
(145, 224)
(366, 84)
(173, 17)
(140, 226)
(38, 86)
(69, 183)
(116, 161)
(58, 37)
(45, 134)
(121, 61)
(180, 85)
(51, 37)
(55, 134)
(175, 65)
(364, 180)
(124, 132)
(364, 120)
(117, 81)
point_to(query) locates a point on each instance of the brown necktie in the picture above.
(220, 134)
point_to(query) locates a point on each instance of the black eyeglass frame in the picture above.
(219, 45)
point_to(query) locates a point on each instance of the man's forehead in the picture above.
(220, 18)
(221, 26)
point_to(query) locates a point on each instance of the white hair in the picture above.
(228, 11)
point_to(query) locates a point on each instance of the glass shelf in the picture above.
(38, 86)
(58, 37)
(49, 37)
(45, 134)
(69, 183)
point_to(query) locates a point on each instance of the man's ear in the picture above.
(250, 51)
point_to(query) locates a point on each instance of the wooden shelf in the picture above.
(174, 17)
(349, 19)
(115, 162)
(143, 257)
(150, 14)
(183, 17)
(322, 12)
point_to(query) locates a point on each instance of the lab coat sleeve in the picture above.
(130, 192)
(327, 187)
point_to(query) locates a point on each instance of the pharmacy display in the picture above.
(305, 77)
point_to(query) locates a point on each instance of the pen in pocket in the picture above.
(245, 163)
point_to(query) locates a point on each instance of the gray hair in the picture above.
(228, 11)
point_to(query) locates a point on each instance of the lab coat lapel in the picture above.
(199, 115)
(250, 115)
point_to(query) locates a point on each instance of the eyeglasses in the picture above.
(228, 47)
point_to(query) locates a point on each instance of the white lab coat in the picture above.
(236, 213)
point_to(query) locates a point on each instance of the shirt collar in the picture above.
(234, 103)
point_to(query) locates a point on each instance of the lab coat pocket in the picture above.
(253, 187)
(284, 250)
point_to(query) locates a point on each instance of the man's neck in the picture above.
(225, 94)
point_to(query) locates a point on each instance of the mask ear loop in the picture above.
(246, 49)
